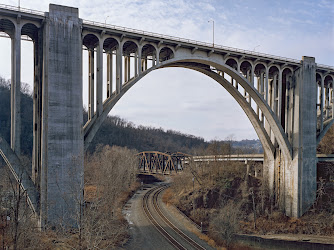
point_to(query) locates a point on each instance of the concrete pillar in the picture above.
(129, 67)
(279, 97)
(119, 70)
(126, 69)
(269, 172)
(327, 100)
(291, 109)
(109, 73)
(153, 60)
(300, 175)
(262, 91)
(140, 67)
(16, 90)
(258, 83)
(136, 64)
(37, 109)
(91, 94)
(274, 96)
(249, 78)
(252, 75)
(262, 84)
(322, 103)
(99, 79)
(267, 85)
(271, 105)
(287, 106)
(62, 119)
(157, 58)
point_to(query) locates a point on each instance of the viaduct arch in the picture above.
(289, 102)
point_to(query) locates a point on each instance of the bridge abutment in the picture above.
(62, 135)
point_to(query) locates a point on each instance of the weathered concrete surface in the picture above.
(62, 136)
(300, 176)
(15, 99)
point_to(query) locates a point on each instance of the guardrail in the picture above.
(241, 157)
(20, 9)
(173, 38)
(249, 157)
(194, 42)
(190, 41)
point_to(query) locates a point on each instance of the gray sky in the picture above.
(185, 100)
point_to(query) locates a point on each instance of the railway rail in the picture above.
(177, 242)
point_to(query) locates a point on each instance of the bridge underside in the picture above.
(289, 102)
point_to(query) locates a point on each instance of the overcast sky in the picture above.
(185, 100)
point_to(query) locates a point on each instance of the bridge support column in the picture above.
(139, 61)
(15, 91)
(109, 74)
(62, 118)
(91, 84)
(136, 63)
(99, 80)
(269, 173)
(126, 68)
(300, 175)
(37, 109)
(119, 69)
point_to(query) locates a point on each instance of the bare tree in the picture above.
(18, 214)
(226, 223)
(109, 173)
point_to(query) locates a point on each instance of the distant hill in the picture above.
(26, 112)
(115, 131)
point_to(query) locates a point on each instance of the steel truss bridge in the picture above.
(158, 162)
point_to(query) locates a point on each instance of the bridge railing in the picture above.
(241, 157)
(184, 40)
(174, 38)
(325, 66)
(20, 9)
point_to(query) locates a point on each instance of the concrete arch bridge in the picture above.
(289, 102)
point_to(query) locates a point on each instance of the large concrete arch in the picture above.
(186, 62)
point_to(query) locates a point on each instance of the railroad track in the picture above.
(175, 241)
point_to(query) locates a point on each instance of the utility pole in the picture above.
(105, 21)
(213, 32)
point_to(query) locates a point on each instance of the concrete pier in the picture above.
(301, 177)
(62, 118)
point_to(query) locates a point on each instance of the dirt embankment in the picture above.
(203, 201)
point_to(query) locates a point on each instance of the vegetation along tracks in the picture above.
(154, 192)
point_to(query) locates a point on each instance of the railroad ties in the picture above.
(158, 162)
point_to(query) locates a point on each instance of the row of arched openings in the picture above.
(122, 60)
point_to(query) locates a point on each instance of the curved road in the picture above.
(153, 225)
